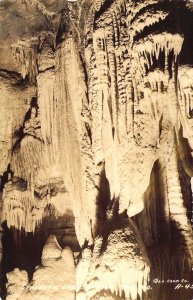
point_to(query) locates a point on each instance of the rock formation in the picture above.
(54, 279)
(96, 142)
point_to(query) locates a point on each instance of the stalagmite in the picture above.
(106, 272)
(17, 280)
(56, 274)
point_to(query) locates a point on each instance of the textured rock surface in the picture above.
(16, 280)
(96, 135)
(54, 279)
(117, 265)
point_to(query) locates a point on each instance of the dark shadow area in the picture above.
(19, 134)
(185, 21)
(185, 166)
(102, 202)
(4, 178)
(20, 250)
(179, 20)
(23, 250)
(166, 243)
(172, 23)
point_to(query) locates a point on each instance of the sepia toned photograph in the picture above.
(96, 150)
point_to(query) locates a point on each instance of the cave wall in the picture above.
(96, 145)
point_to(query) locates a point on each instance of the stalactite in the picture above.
(41, 8)
(178, 214)
(108, 49)
(25, 54)
(118, 113)
(149, 18)
(121, 106)
(185, 88)
(14, 102)
(109, 106)
(153, 45)
(21, 209)
(26, 160)
(75, 140)
(45, 83)
(101, 90)
(6, 139)
(109, 33)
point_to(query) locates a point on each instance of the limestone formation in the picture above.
(54, 279)
(96, 143)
